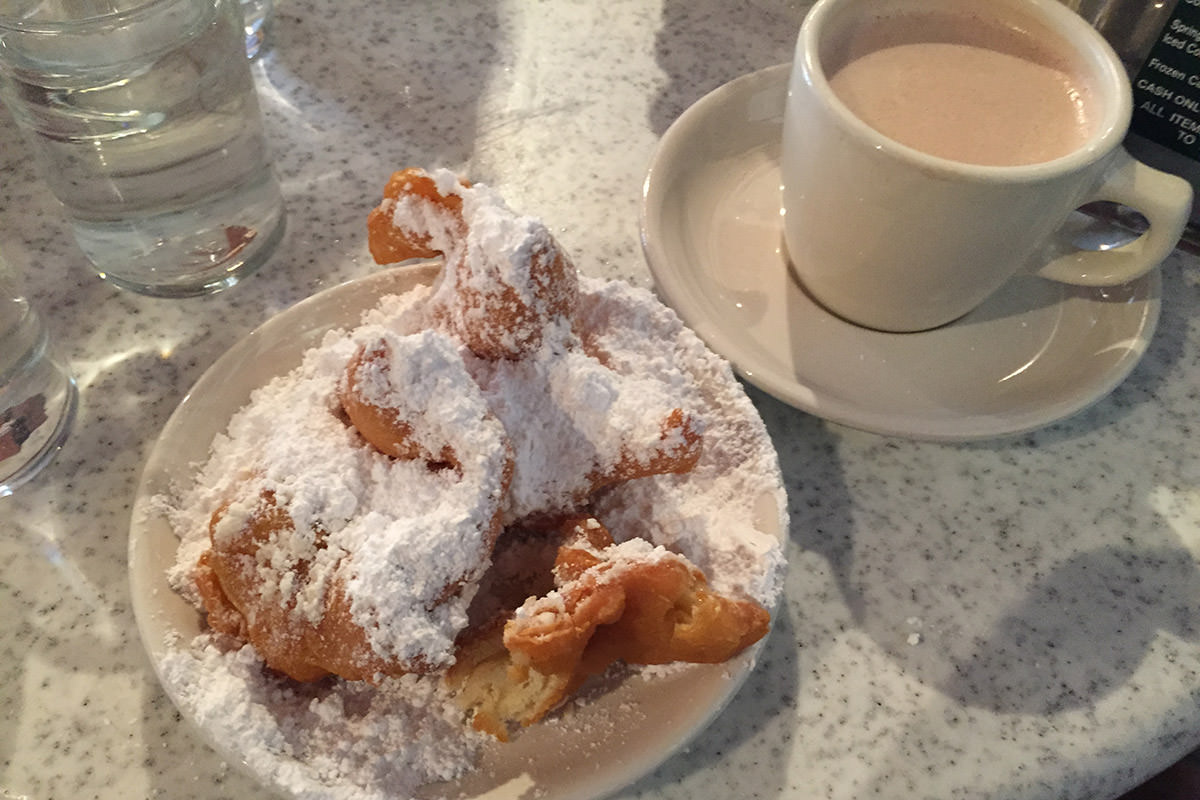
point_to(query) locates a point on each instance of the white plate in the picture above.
(631, 729)
(1033, 354)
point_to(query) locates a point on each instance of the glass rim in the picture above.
(19, 24)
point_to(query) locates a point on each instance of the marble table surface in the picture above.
(1015, 619)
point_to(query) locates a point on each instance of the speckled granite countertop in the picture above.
(1017, 619)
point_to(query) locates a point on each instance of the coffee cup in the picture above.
(934, 149)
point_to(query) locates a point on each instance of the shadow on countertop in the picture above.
(1179, 782)
(704, 44)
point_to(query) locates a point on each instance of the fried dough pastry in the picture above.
(303, 647)
(259, 573)
(362, 588)
(629, 602)
(577, 424)
(494, 691)
(390, 243)
(506, 279)
(381, 425)
(395, 391)
(487, 403)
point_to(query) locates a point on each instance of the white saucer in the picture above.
(1033, 354)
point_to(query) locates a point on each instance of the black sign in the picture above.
(1166, 91)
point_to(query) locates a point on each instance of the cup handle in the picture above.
(1163, 199)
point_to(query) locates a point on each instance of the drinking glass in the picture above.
(145, 122)
(37, 393)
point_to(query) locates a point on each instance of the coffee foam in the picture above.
(1011, 49)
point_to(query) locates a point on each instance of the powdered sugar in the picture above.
(342, 741)
(505, 283)
(717, 513)
(299, 737)
(396, 534)
(586, 416)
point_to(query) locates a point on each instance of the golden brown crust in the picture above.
(289, 642)
(388, 243)
(678, 449)
(382, 427)
(650, 609)
(222, 615)
(493, 315)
